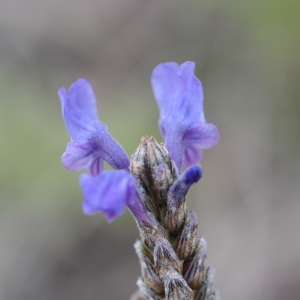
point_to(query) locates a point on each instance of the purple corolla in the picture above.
(182, 123)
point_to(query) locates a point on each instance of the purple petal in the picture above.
(79, 108)
(77, 157)
(91, 143)
(178, 93)
(192, 155)
(109, 193)
(179, 96)
(81, 97)
(88, 152)
(97, 166)
(196, 140)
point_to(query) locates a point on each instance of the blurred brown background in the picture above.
(248, 203)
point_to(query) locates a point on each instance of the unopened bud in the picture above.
(154, 171)
(194, 270)
(147, 291)
(175, 213)
(149, 276)
(151, 231)
(176, 288)
(206, 292)
(174, 218)
(188, 240)
(181, 186)
(165, 258)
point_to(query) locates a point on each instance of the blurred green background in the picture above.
(248, 202)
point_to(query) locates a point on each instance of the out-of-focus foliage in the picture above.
(247, 57)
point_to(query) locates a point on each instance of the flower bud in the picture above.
(149, 276)
(165, 259)
(188, 240)
(150, 231)
(147, 291)
(174, 218)
(175, 214)
(206, 292)
(154, 171)
(193, 270)
(177, 288)
(181, 186)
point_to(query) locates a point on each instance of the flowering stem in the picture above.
(171, 254)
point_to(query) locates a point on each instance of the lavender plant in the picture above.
(153, 184)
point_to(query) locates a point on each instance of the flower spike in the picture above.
(182, 123)
(153, 184)
(90, 143)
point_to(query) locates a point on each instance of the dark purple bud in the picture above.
(181, 186)
(175, 213)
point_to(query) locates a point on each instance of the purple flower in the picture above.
(180, 99)
(182, 123)
(91, 144)
(109, 193)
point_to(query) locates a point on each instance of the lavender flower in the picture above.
(153, 185)
(91, 144)
(90, 141)
(182, 123)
